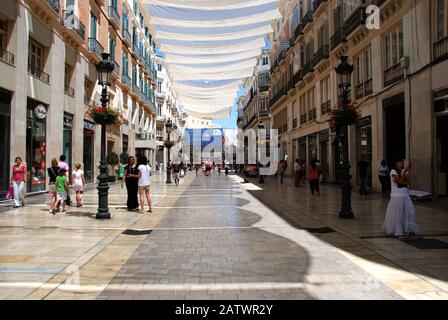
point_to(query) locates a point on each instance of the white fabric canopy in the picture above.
(209, 5)
(259, 31)
(195, 59)
(232, 48)
(210, 46)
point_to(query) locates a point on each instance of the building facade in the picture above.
(397, 85)
(49, 51)
(167, 108)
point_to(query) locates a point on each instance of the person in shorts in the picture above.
(53, 173)
(61, 190)
(144, 182)
(79, 183)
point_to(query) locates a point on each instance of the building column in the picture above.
(78, 117)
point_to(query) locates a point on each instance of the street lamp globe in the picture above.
(105, 68)
(168, 126)
(261, 125)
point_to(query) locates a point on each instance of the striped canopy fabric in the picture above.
(210, 47)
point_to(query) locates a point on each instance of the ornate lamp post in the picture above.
(344, 72)
(104, 68)
(168, 144)
(260, 141)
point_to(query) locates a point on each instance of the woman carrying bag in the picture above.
(18, 179)
(130, 177)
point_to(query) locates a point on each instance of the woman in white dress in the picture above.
(79, 183)
(400, 215)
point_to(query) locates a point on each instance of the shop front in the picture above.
(5, 120)
(36, 145)
(88, 151)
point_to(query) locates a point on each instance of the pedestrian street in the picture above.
(208, 238)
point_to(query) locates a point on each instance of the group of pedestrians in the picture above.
(137, 178)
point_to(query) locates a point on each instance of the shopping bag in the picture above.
(10, 193)
(182, 173)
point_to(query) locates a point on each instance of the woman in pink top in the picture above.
(313, 176)
(18, 182)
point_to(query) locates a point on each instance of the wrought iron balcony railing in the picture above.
(298, 76)
(39, 74)
(113, 14)
(308, 68)
(307, 18)
(357, 19)
(303, 118)
(393, 74)
(126, 36)
(325, 107)
(441, 49)
(338, 38)
(71, 21)
(317, 3)
(282, 92)
(126, 80)
(54, 4)
(95, 46)
(321, 54)
(6, 56)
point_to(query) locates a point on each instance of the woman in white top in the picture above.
(144, 182)
(79, 183)
(400, 215)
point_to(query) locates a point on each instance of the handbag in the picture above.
(10, 193)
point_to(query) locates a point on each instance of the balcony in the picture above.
(303, 119)
(359, 91)
(127, 38)
(321, 54)
(291, 84)
(54, 4)
(126, 80)
(116, 68)
(441, 50)
(282, 92)
(72, 22)
(308, 68)
(39, 74)
(294, 123)
(393, 74)
(325, 107)
(95, 47)
(312, 114)
(69, 91)
(298, 76)
(368, 87)
(6, 57)
(358, 18)
(307, 19)
(298, 31)
(317, 4)
(114, 17)
(338, 37)
(135, 89)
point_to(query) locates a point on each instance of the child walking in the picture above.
(61, 190)
(79, 183)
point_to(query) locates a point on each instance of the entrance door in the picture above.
(395, 134)
(5, 103)
(89, 140)
(442, 156)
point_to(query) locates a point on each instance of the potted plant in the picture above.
(105, 116)
(112, 160)
(343, 116)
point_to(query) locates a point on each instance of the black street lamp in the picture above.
(260, 141)
(168, 144)
(344, 72)
(104, 68)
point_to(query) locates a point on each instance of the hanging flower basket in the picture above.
(105, 116)
(343, 116)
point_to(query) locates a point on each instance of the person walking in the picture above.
(363, 165)
(79, 183)
(18, 179)
(400, 217)
(282, 170)
(64, 166)
(176, 170)
(383, 176)
(297, 173)
(144, 183)
(196, 168)
(62, 190)
(130, 178)
(53, 173)
(313, 176)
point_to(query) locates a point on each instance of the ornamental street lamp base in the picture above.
(261, 180)
(103, 215)
(346, 214)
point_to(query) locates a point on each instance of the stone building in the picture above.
(49, 50)
(398, 84)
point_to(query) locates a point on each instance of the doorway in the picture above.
(395, 129)
(442, 155)
(5, 118)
